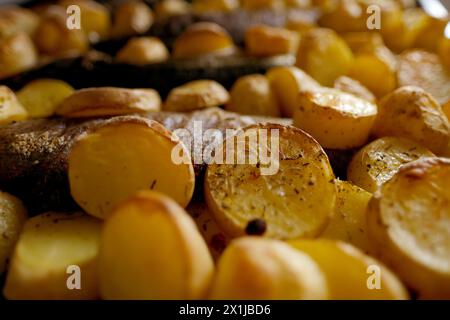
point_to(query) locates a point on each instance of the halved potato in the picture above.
(12, 218)
(337, 120)
(349, 221)
(42, 97)
(108, 101)
(425, 70)
(275, 173)
(203, 38)
(142, 51)
(17, 54)
(378, 161)
(324, 55)
(253, 268)
(351, 274)
(197, 94)
(354, 87)
(253, 95)
(131, 18)
(409, 226)
(287, 82)
(261, 41)
(412, 113)
(11, 109)
(52, 248)
(151, 249)
(124, 155)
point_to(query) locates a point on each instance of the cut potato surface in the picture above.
(349, 221)
(354, 87)
(10, 107)
(261, 41)
(48, 248)
(42, 97)
(12, 217)
(253, 95)
(350, 274)
(378, 161)
(253, 268)
(151, 249)
(291, 188)
(194, 95)
(287, 82)
(109, 101)
(409, 226)
(121, 157)
(412, 113)
(337, 120)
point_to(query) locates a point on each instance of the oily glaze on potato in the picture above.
(378, 161)
(349, 221)
(151, 249)
(409, 226)
(337, 120)
(291, 187)
(412, 113)
(253, 268)
(350, 274)
(50, 248)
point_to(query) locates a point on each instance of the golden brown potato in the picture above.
(424, 69)
(430, 35)
(203, 38)
(253, 95)
(446, 109)
(11, 109)
(16, 19)
(444, 51)
(262, 4)
(261, 41)
(142, 51)
(378, 161)
(354, 87)
(349, 221)
(286, 83)
(202, 6)
(54, 250)
(324, 55)
(300, 23)
(361, 42)
(12, 218)
(151, 249)
(337, 120)
(168, 8)
(125, 155)
(41, 97)
(413, 113)
(345, 16)
(254, 268)
(288, 193)
(132, 17)
(108, 101)
(198, 94)
(350, 274)
(17, 54)
(408, 226)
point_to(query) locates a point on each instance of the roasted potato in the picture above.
(378, 161)
(120, 157)
(290, 189)
(424, 69)
(132, 17)
(198, 94)
(324, 55)
(203, 38)
(108, 101)
(431, 33)
(168, 8)
(354, 87)
(253, 95)
(142, 51)
(253, 268)
(14, 19)
(261, 41)
(350, 274)
(12, 218)
(286, 83)
(408, 226)
(411, 112)
(41, 97)
(363, 41)
(17, 54)
(202, 6)
(349, 220)
(50, 248)
(336, 119)
(345, 16)
(444, 51)
(151, 249)
(10, 107)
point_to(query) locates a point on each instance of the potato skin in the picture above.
(408, 226)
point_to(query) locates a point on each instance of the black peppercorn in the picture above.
(256, 227)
